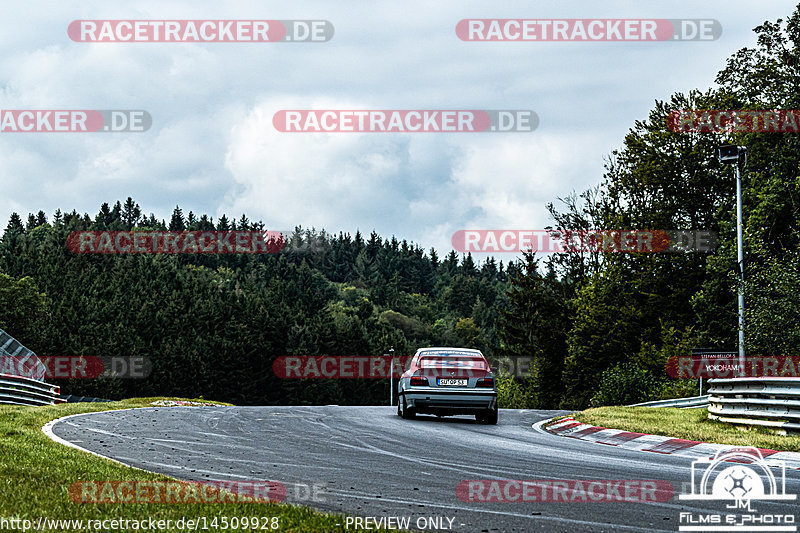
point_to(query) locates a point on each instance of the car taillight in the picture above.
(419, 380)
(485, 382)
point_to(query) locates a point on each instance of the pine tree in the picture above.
(154, 224)
(450, 264)
(364, 269)
(205, 223)
(116, 217)
(373, 245)
(104, 217)
(131, 213)
(14, 225)
(177, 223)
(434, 258)
(533, 328)
(468, 267)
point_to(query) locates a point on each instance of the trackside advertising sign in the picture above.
(725, 364)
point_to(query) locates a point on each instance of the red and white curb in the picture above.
(569, 427)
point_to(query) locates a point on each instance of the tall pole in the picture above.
(391, 381)
(391, 377)
(730, 153)
(740, 265)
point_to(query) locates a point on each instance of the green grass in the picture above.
(690, 424)
(36, 473)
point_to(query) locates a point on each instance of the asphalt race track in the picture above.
(366, 461)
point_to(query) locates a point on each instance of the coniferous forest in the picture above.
(599, 327)
(212, 325)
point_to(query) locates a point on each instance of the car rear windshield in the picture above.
(458, 361)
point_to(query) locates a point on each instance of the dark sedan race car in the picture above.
(448, 381)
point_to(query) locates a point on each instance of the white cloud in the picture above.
(405, 184)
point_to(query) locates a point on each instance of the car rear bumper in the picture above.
(438, 400)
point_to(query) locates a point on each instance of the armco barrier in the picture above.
(773, 402)
(28, 388)
(694, 402)
(26, 391)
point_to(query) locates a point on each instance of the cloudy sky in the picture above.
(213, 149)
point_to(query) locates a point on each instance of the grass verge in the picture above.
(36, 473)
(690, 424)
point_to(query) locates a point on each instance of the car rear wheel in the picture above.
(489, 417)
(403, 409)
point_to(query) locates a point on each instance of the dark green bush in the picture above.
(625, 384)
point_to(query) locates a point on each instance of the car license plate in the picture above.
(449, 382)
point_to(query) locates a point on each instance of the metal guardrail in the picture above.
(773, 402)
(15, 356)
(22, 376)
(695, 402)
(26, 391)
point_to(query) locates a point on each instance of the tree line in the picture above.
(212, 325)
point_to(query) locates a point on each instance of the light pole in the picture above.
(391, 376)
(731, 153)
